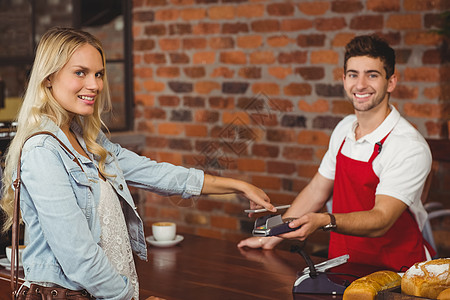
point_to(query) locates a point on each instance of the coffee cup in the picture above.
(8, 251)
(164, 231)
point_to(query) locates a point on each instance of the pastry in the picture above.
(367, 287)
(427, 279)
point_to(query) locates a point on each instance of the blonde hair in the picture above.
(54, 50)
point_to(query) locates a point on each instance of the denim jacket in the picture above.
(59, 207)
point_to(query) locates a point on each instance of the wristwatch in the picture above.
(332, 225)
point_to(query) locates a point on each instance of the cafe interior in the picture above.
(244, 89)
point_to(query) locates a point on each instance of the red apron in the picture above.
(354, 190)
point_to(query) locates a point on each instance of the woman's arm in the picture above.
(223, 185)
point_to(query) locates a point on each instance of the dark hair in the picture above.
(372, 46)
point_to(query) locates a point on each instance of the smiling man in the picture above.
(375, 170)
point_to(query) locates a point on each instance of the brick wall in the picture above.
(252, 90)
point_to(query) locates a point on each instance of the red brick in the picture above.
(313, 137)
(265, 26)
(222, 12)
(266, 88)
(169, 100)
(191, 14)
(249, 41)
(152, 30)
(280, 9)
(281, 135)
(154, 86)
(342, 107)
(307, 170)
(205, 116)
(195, 72)
(435, 129)
(311, 40)
(196, 218)
(230, 117)
(235, 28)
(193, 101)
(155, 58)
(432, 56)
(206, 87)
(383, 5)
(311, 73)
(422, 5)
(403, 21)
(170, 128)
(173, 158)
(264, 119)
(341, 39)
(422, 38)
(169, 44)
(262, 57)
(314, 8)
(367, 22)
(143, 72)
(145, 99)
(430, 111)
(221, 42)
(432, 92)
(143, 44)
(167, 15)
(194, 43)
(168, 72)
(251, 165)
(324, 57)
(196, 130)
(250, 11)
(267, 182)
(209, 205)
(154, 113)
(280, 72)
(233, 57)
(284, 105)
(250, 72)
(179, 58)
(330, 24)
(318, 106)
(221, 102)
(280, 167)
(259, 150)
(206, 28)
(295, 24)
(426, 74)
(346, 6)
(405, 92)
(297, 89)
(298, 57)
(204, 57)
(279, 41)
(223, 72)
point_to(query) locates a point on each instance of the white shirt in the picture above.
(402, 165)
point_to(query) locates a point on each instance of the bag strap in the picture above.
(15, 224)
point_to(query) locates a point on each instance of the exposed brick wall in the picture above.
(252, 90)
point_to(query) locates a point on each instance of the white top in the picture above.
(402, 165)
(114, 238)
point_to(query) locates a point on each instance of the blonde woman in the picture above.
(80, 216)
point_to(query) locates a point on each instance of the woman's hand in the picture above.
(222, 185)
(267, 243)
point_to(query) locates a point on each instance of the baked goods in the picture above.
(444, 295)
(367, 287)
(427, 279)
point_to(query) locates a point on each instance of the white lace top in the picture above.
(114, 238)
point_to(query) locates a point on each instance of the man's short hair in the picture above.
(372, 46)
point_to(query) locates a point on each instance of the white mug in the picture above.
(164, 231)
(8, 251)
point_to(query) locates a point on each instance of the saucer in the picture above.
(151, 240)
(4, 262)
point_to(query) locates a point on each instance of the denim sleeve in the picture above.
(162, 178)
(47, 192)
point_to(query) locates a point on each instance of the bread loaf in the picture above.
(367, 287)
(444, 295)
(427, 279)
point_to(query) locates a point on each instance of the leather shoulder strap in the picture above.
(15, 225)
